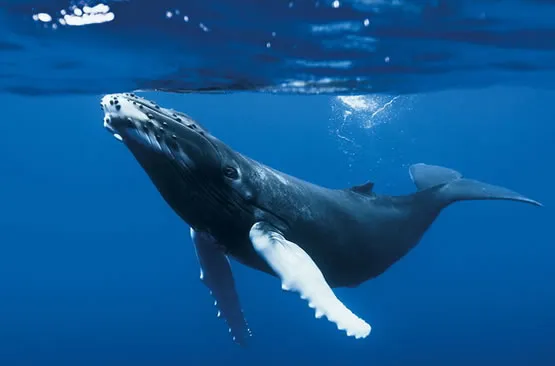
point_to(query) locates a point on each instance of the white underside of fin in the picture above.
(299, 273)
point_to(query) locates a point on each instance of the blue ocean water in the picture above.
(279, 46)
(95, 269)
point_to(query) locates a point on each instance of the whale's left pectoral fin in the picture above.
(299, 273)
(215, 273)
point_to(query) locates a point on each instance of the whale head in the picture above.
(198, 175)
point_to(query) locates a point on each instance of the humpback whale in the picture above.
(312, 238)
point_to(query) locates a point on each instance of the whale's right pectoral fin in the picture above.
(215, 273)
(299, 273)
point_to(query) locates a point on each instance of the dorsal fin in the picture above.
(365, 188)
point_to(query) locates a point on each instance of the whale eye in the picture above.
(231, 172)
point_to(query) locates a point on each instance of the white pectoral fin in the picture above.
(217, 276)
(299, 273)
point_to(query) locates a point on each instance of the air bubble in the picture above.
(43, 17)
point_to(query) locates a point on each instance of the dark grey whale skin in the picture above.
(352, 234)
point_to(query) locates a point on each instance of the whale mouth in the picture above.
(127, 115)
(125, 112)
(140, 123)
(120, 112)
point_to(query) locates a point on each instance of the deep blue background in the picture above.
(95, 269)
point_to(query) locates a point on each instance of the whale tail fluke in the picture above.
(449, 186)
